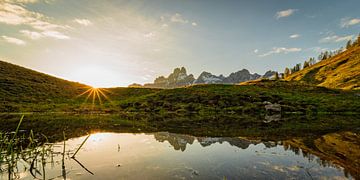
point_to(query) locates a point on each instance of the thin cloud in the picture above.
(294, 36)
(256, 51)
(84, 22)
(347, 22)
(31, 34)
(285, 13)
(22, 1)
(149, 35)
(317, 49)
(55, 34)
(13, 14)
(279, 50)
(335, 38)
(14, 40)
(178, 18)
(37, 35)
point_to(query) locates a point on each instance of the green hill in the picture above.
(341, 71)
(19, 85)
(249, 98)
(25, 90)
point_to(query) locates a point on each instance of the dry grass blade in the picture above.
(81, 146)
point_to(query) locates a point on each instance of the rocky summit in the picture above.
(180, 78)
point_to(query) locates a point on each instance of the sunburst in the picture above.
(95, 94)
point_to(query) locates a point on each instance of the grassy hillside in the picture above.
(248, 98)
(341, 71)
(19, 86)
(24, 90)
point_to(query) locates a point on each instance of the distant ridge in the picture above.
(180, 78)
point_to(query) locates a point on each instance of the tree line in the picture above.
(322, 56)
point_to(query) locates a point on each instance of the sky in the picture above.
(111, 43)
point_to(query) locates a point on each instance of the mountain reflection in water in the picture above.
(165, 155)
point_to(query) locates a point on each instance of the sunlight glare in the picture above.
(95, 94)
(95, 76)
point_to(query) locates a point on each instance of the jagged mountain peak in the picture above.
(179, 78)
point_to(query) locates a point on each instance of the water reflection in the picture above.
(165, 155)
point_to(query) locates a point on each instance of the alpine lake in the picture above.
(103, 146)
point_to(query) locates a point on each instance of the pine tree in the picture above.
(306, 64)
(312, 61)
(277, 76)
(325, 55)
(287, 72)
(348, 44)
(297, 67)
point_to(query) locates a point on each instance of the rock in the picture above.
(272, 118)
(272, 107)
(208, 78)
(269, 74)
(178, 78)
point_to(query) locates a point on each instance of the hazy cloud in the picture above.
(256, 51)
(14, 40)
(13, 14)
(149, 35)
(84, 22)
(285, 13)
(278, 50)
(32, 34)
(21, 1)
(55, 34)
(335, 38)
(37, 35)
(177, 18)
(347, 22)
(294, 36)
(317, 49)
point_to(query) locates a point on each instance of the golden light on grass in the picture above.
(95, 94)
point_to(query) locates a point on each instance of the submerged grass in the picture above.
(18, 150)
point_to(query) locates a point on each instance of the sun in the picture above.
(95, 95)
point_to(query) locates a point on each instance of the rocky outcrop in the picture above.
(208, 78)
(240, 76)
(178, 78)
(269, 74)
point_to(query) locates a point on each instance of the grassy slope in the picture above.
(341, 71)
(293, 96)
(20, 85)
(23, 89)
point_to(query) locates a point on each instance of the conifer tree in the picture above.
(287, 72)
(306, 64)
(277, 76)
(348, 44)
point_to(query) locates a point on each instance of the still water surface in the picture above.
(166, 155)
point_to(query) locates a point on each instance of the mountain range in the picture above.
(180, 78)
(180, 141)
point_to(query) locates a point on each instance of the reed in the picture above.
(81, 145)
